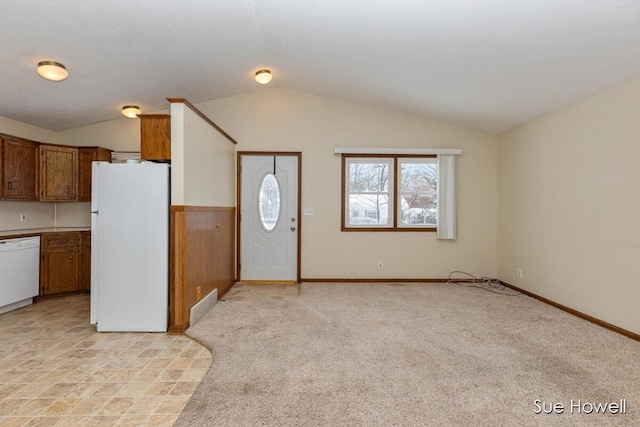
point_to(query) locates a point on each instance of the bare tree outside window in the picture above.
(369, 193)
(375, 200)
(418, 192)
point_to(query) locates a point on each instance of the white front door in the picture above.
(269, 217)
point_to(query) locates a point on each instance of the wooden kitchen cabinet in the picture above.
(85, 260)
(19, 169)
(87, 155)
(60, 262)
(155, 136)
(58, 173)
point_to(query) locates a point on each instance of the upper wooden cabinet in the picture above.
(32, 170)
(58, 173)
(87, 155)
(19, 169)
(155, 136)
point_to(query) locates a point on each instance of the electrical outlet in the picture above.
(519, 273)
(198, 293)
(309, 211)
(23, 217)
(380, 265)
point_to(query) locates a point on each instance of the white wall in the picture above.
(203, 162)
(286, 120)
(569, 212)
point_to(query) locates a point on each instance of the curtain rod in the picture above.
(409, 151)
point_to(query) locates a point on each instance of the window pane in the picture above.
(269, 202)
(368, 177)
(368, 209)
(418, 191)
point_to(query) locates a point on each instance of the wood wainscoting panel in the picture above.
(202, 258)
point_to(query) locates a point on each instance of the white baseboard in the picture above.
(199, 310)
(16, 305)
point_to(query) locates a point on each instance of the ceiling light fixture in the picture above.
(52, 70)
(263, 76)
(131, 111)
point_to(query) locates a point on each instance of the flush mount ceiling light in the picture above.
(263, 76)
(131, 111)
(52, 70)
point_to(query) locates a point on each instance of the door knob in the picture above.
(293, 229)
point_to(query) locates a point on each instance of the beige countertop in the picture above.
(38, 231)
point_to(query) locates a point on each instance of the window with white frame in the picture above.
(388, 193)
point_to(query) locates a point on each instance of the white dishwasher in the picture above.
(19, 272)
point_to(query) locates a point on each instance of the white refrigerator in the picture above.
(130, 247)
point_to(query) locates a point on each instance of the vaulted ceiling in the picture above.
(483, 64)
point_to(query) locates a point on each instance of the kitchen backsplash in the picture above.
(43, 215)
(73, 214)
(38, 215)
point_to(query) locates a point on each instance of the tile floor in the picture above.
(55, 369)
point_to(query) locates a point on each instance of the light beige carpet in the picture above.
(408, 355)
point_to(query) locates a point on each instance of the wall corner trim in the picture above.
(202, 115)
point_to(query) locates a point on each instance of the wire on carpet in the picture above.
(470, 281)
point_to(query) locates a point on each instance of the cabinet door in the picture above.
(155, 136)
(85, 261)
(60, 270)
(58, 173)
(86, 156)
(20, 169)
(2, 169)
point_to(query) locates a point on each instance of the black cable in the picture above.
(471, 281)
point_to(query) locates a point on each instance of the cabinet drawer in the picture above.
(60, 240)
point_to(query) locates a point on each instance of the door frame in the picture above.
(240, 155)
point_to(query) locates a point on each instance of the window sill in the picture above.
(387, 229)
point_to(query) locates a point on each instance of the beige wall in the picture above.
(73, 214)
(280, 119)
(39, 215)
(203, 162)
(117, 135)
(568, 210)
(23, 130)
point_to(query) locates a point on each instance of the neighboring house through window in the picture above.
(389, 192)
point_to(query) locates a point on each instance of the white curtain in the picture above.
(446, 197)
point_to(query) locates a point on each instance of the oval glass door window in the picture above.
(269, 202)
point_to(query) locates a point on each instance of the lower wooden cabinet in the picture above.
(85, 260)
(65, 262)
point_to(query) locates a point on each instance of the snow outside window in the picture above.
(390, 193)
(369, 192)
